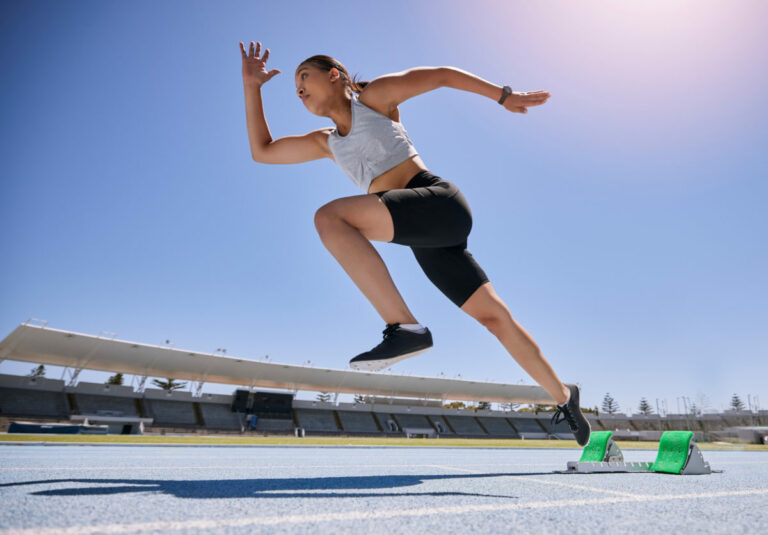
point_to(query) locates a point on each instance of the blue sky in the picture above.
(623, 222)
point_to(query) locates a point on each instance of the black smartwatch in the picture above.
(505, 92)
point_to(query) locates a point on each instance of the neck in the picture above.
(341, 114)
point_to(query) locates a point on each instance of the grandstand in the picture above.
(157, 411)
(405, 407)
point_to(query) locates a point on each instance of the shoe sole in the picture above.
(376, 365)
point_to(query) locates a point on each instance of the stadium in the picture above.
(389, 405)
(398, 442)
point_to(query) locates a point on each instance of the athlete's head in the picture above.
(320, 79)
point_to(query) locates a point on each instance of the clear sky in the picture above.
(623, 223)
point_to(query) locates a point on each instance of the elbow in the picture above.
(444, 76)
(258, 156)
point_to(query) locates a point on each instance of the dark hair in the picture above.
(326, 63)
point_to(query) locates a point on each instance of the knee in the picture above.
(324, 218)
(495, 318)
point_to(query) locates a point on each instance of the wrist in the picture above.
(505, 92)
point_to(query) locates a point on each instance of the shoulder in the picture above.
(321, 136)
(378, 101)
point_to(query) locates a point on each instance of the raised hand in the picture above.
(254, 69)
(518, 102)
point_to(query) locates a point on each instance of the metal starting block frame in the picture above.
(678, 454)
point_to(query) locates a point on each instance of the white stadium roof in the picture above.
(43, 345)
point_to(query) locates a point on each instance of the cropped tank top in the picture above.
(375, 144)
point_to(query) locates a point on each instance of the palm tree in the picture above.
(170, 384)
(116, 379)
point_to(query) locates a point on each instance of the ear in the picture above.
(335, 74)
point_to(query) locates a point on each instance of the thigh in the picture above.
(367, 213)
(453, 270)
(437, 215)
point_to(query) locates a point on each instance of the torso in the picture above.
(399, 176)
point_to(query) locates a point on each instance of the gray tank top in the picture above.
(375, 144)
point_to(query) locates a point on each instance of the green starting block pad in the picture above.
(678, 454)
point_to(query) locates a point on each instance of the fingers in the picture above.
(254, 54)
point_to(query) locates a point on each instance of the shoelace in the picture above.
(562, 413)
(390, 330)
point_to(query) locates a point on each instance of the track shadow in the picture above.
(265, 488)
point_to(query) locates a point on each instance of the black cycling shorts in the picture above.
(433, 218)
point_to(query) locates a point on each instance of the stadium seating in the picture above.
(646, 423)
(358, 422)
(33, 402)
(440, 424)
(497, 426)
(95, 404)
(316, 420)
(217, 416)
(465, 425)
(412, 420)
(614, 422)
(170, 412)
(274, 425)
(528, 427)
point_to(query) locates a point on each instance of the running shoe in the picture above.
(571, 412)
(398, 344)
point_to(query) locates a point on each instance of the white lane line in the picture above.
(529, 479)
(219, 466)
(365, 515)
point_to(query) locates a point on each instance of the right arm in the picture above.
(290, 149)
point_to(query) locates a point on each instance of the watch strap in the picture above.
(505, 92)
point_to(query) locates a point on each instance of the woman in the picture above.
(405, 204)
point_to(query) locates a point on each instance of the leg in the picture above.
(345, 226)
(487, 307)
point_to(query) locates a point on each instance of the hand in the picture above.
(254, 68)
(518, 102)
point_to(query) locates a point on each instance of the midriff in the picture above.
(399, 176)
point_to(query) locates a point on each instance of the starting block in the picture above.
(678, 454)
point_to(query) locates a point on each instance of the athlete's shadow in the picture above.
(309, 487)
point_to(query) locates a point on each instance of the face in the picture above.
(315, 85)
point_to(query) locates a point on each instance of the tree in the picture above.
(116, 379)
(510, 406)
(169, 385)
(324, 397)
(455, 405)
(37, 372)
(609, 404)
(645, 407)
(482, 406)
(360, 399)
(736, 403)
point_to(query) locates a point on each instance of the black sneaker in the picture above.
(571, 412)
(399, 344)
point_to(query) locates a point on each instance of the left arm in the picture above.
(466, 81)
(516, 102)
(392, 89)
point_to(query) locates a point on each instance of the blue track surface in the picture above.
(47, 490)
